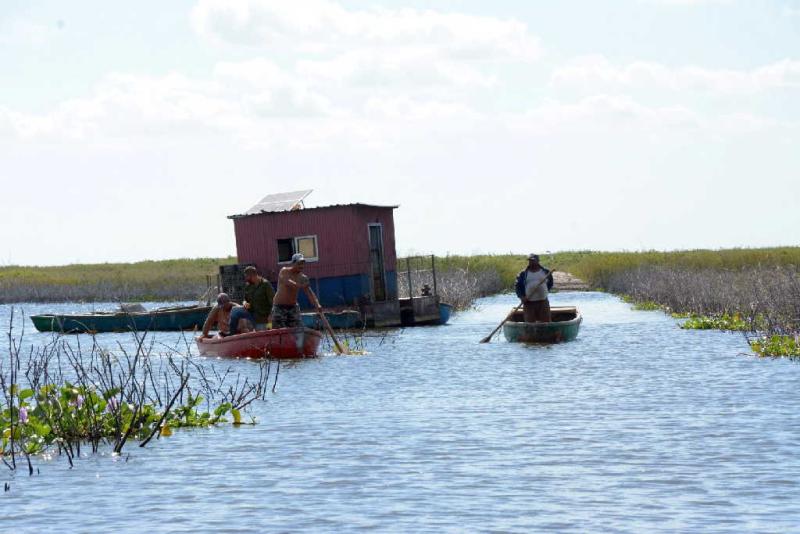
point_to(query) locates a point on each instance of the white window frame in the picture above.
(296, 249)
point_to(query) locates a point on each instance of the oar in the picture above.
(510, 315)
(325, 323)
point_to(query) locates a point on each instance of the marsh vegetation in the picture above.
(72, 393)
(756, 291)
(167, 280)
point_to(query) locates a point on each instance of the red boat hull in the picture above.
(281, 343)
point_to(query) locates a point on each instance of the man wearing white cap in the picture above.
(285, 310)
(533, 291)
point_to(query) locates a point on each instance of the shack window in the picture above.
(305, 245)
(285, 250)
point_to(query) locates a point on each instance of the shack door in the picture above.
(376, 259)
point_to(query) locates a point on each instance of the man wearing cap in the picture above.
(285, 310)
(219, 316)
(533, 291)
(258, 297)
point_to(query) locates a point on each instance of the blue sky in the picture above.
(130, 130)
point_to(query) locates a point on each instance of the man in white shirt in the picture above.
(533, 290)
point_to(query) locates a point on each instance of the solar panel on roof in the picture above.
(279, 202)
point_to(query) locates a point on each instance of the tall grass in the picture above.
(598, 268)
(180, 279)
(760, 287)
(456, 286)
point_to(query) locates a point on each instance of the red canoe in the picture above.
(278, 343)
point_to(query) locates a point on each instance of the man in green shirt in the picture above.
(258, 295)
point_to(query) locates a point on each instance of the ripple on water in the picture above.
(635, 426)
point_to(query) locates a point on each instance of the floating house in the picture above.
(349, 250)
(350, 259)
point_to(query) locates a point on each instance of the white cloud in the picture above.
(403, 68)
(403, 108)
(607, 113)
(596, 72)
(248, 100)
(26, 33)
(318, 25)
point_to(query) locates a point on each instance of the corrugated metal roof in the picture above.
(251, 211)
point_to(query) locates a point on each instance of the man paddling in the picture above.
(258, 297)
(285, 310)
(534, 292)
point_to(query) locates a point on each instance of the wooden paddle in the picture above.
(510, 315)
(325, 323)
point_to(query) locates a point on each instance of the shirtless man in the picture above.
(219, 317)
(285, 310)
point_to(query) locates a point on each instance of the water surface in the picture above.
(636, 426)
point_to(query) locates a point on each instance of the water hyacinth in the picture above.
(111, 399)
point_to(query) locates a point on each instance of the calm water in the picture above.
(636, 426)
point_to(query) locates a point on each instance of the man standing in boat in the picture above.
(258, 297)
(534, 292)
(285, 310)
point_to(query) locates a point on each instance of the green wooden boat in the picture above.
(172, 318)
(566, 322)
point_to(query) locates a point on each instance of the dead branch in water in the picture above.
(65, 394)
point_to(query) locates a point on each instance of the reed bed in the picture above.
(763, 301)
(459, 287)
(597, 268)
(167, 280)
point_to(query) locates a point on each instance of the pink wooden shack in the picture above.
(349, 248)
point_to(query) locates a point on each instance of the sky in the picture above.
(129, 131)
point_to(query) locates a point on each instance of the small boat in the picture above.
(564, 327)
(426, 310)
(171, 318)
(444, 315)
(339, 320)
(280, 343)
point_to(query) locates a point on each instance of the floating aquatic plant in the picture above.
(724, 321)
(59, 397)
(777, 346)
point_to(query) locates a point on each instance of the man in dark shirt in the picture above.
(258, 296)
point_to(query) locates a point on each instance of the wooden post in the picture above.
(408, 272)
(433, 268)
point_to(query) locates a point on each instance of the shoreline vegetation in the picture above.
(62, 396)
(752, 290)
(148, 281)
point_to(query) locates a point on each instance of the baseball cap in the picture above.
(298, 258)
(533, 257)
